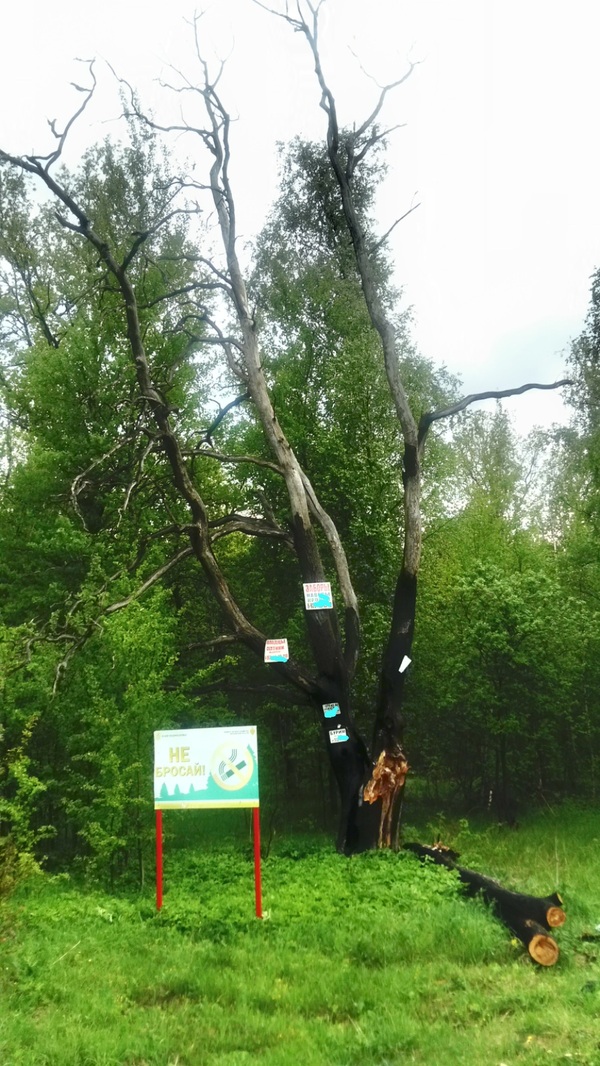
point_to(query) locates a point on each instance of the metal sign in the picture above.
(206, 768)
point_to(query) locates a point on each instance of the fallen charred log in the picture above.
(528, 917)
(542, 948)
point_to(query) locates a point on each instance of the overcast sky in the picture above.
(499, 146)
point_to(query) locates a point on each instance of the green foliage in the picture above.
(504, 699)
(503, 692)
(115, 697)
(584, 399)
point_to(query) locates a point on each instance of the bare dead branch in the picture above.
(156, 576)
(447, 412)
(369, 121)
(212, 453)
(140, 239)
(130, 568)
(266, 506)
(225, 639)
(39, 313)
(79, 483)
(62, 137)
(352, 643)
(295, 23)
(223, 412)
(136, 480)
(251, 526)
(375, 247)
(194, 286)
(227, 344)
(142, 236)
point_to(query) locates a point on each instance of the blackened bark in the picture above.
(529, 917)
(347, 754)
(546, 910)
(350, 764)
(388, 727)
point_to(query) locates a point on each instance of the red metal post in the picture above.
(257, 879)
(159, 861)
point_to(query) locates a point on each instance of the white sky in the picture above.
(500, 144)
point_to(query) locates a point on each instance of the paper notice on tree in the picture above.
(276, 651)
(317, 596)
(404, 664)
(338, 736)
(330, 710)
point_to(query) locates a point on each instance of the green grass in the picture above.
(373, 960)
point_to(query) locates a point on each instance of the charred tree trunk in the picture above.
(542, 948)
(346, 150)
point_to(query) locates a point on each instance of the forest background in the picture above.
(501, 702)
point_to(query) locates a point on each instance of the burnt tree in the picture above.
(347, 149)
(334, 641)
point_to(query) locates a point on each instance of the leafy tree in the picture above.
(502, 700)
(584, 397)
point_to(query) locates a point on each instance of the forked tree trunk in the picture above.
(346, 151)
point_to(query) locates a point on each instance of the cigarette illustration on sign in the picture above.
(276, 651)
(232, 767)
(337, 736)
(330, 710)
(317, 596)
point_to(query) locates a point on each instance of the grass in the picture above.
(373, 960)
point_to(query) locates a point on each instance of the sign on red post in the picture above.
(206, 768)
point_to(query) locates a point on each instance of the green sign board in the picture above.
(206, 768)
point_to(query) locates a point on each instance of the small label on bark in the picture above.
(337, 736)
(317, 596)
(330, 710)
(405, 662)
(276, 651)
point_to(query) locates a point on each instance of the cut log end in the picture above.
(543, 950)
(555, 916)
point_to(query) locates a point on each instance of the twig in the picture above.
(64, 955)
